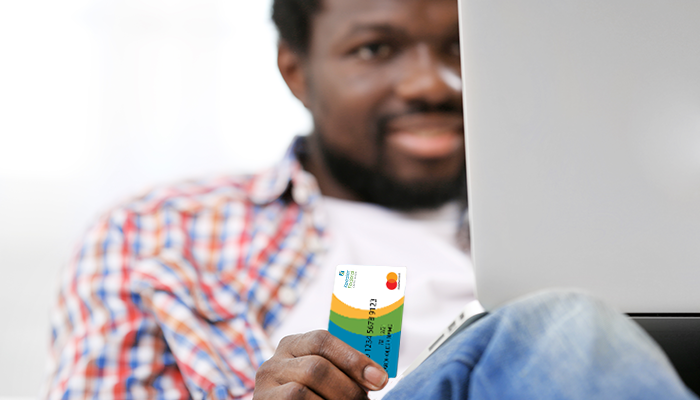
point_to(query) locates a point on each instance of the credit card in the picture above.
(367, 311)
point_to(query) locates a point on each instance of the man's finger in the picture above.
(324, 378)
(293, 391)
(353, 363)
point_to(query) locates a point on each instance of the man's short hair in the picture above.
(293, 20)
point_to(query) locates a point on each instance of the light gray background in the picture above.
(100, 99)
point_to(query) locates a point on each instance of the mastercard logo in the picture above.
(391, 281)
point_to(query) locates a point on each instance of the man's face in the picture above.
(383, 86)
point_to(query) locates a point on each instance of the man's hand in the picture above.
(317, 365)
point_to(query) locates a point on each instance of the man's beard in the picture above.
(372, 185)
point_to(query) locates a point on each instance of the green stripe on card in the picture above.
(361, 326)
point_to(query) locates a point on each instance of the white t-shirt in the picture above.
(440, 279)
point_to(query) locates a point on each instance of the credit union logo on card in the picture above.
(350, 278)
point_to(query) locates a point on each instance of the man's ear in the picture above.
(291, 65)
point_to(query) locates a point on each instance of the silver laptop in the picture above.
(583, 148)
(583, 151)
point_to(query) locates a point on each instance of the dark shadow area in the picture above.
(679, 336)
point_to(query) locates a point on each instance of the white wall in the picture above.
(100, 99)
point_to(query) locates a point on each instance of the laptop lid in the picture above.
(583, 149)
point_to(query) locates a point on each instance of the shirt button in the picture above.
(301, 195)
(287, 296)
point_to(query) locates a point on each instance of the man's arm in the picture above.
(137, 317)
(104, 344)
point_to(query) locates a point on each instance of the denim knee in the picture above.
(552, 306)
(549, 345)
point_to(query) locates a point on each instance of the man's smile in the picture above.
(426, 135)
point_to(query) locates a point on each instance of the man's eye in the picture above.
(374, 51)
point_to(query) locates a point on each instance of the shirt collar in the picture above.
(287, 175)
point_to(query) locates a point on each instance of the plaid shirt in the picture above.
(174, 295)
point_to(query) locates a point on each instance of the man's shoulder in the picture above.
(190, 210)
(192, 195)
(163, 207)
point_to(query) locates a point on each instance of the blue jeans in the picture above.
(552, 345)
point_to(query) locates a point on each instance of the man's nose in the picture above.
(428, 78)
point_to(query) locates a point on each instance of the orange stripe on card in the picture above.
(338, 307)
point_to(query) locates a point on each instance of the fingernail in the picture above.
(375, 376)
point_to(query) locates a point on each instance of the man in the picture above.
(185, 291)
(182, 292)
